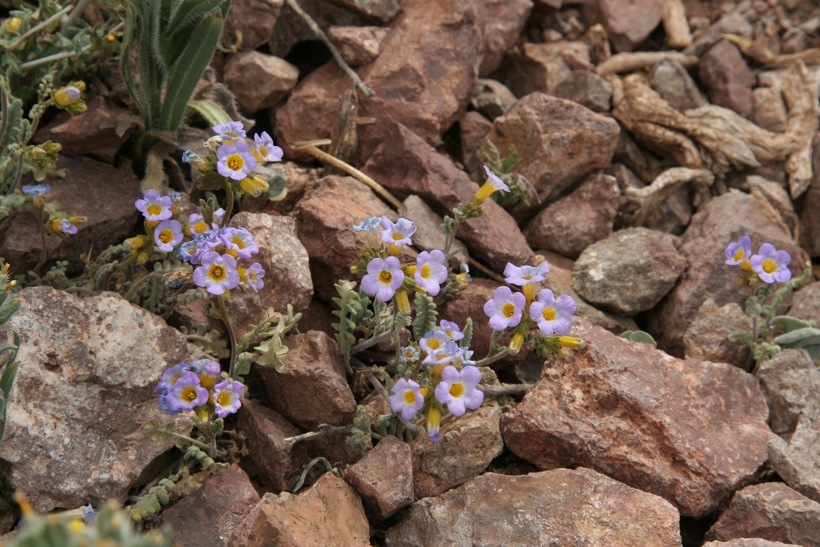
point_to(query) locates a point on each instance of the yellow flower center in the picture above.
(207, 381)
(738, 254)
(238, 241)
(457, 390)
(217, 273)
(548, 314)
(200, 227)
(235, 162)
(224, 398)
(397, 236)
(425, 271)
(189, 394)
(746, 265)
(769, 265)
(409, 396)
(385, 277)
(166, 236)
(153, 209)
(508, 310)
(433, 343)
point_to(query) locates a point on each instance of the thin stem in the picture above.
(377, 385)
(36, 28)
(370, 342)
(49, 58)
(229, 205)
(223, 311)
(493, 358)
(324, 431)
(43, 249)
(505, 389)
(68, 20)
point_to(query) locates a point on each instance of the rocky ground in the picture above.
(652, 133)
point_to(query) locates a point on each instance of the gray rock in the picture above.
(273, 78)
(727, 77)
(674, 84)
(709, 337)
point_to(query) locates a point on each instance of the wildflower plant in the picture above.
(769, 279)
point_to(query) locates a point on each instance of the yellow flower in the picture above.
(67, 96)
(254, 185)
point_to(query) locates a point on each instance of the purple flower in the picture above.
(230, 131)
(434, 422)
(430, 271)
(448, 353)
(553, 314)
(396, 234)
(505, 308)
(254, 275)
(36, 189)
(167, 235)
(739, 251)
(216, 273)
(771, 265)
(525, 275)
(452, 330)
(458, 390)
(239, 242)
(235, 160)
(207, 370)
(196, 224)
(265, 149)
(493, 184)
(383, 279)
(409, 354)
(154, 207)
(406, 399)
(186, 393)
(368, 224)
(227, 397)
(433, 341)
(66, 227)
(171, 375)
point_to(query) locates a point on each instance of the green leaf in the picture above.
(798, 338)
(639, 336)
(426, 315)
(210, 111)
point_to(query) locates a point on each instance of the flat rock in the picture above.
(560, 507)
(630, 271)
(85, 390)
(709, 337)
(810, 210)
(326, 216)
(384, 478)
(576, 221)
(723, 220)
(358, 45)
(502, 22)
(404, 164)
(629, 24)
(559, 142)
(689, 431)
(770, 511)
(93, 189)
(254, 20)
(467, 446)
(312, 388)
(797, 460)
(674, 84)
(587, 89)
(328, 513)
(208, 516)
(727, 77)
(272, 78)
(530, 68)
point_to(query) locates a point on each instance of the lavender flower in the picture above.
(771, 265)
(254, 275)
(154, 207)
(235, 160)
(216, 273)
(397, 234)
(36, 189)
(227, 397)
(368, 224)
(431, 271)
(167, 235)
(451, 330)
(230, 130)
(553, 314)
(407, 399)
(505, 308)
(458, 390)
(186, 393)
(739, 251)
(383, 279)
(525, 275)
(239, 242)
(265, 149)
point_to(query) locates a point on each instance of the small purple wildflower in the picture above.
(171, 375)
(230, 131)
(772, 265)
(239, 242)
(216, 273)
(368, 224)
(505, 308)
(431, 271)
(208, 371)
(186, 393)
(235, 160)
(67, 227)
(227, 397)
(458, 390)
(383, 279)
(265, 150)
(396, 234)
(448, 353)
(452, 330)
(154, 207)
(525, 275)
(737, 252)
(409, 354)
(407, 399)
(36, 189)
(167, 235)
(254, 276)
(553, 315)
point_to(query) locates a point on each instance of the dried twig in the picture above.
(651, 197)
(633, 61)
(758, 52)
(675, 24)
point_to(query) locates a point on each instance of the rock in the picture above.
(326, 216)
(208, 516)
(689, 431)
(272, 78)
(383, 10)
(769, 109)
(467, 446)
(502, 22)
(672, 216)
(312, 388)
(727, 77)
(561, 507)
(428, 235)
(797, 461)
(709, 337)
(587, 89)
(630, 271)
(806, 302)
(287, 271)
(95, 190)
(358, 45)
(328, 513)
(74, 431)
(559, 142)
(791, 382)
(629, 24)
(293, 38)
(573, 223)
(271, 460)
(254, 20)
(674, 84)
(810, 210)
(384, 478)
(404, 164)
(771, 511)
(746, 542)
(723, 220)
(539, 67)
(491, 98)
(474, 128)
(96, 132)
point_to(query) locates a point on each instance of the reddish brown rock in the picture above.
(563, 506)
(358, 45)
(587, 89)
(326, 216)
(384, 478)
(383, 10)
(791, 383)
(709, 337)
(723, 220)
(571, 224)
(810, 209)
(96, 132)
(674, 84)
(474, 129)
(271, 460)
(328, 513)
(208, 516)
(272, 79)
(428, 235)
(405, 165)
(287, 271)
(689, 431)
(491, 98)
(727, 77)
(467, 446)
(312, 388)
(806, 302)
(797, 460)
(746, 542)
(502, 21)
(769, 111)
(95, 190)
(539, 67)
(559, 142)
(771, 511)
(254, 20)
(630, 271)
(629, 23)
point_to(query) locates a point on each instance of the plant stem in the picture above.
(493, 358)
(229, 205)
(324, 431)
(36, 28)
(43, 251)
(505, 389)
(223, 311)
(370, 342)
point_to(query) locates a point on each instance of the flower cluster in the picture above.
(770, 265)
(518, 312)
(198, 386)
(56, 222)
(444, 377)
(214, 250)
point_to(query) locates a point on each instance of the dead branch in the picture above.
(633, 61)
(675, 24)
(652, 197)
